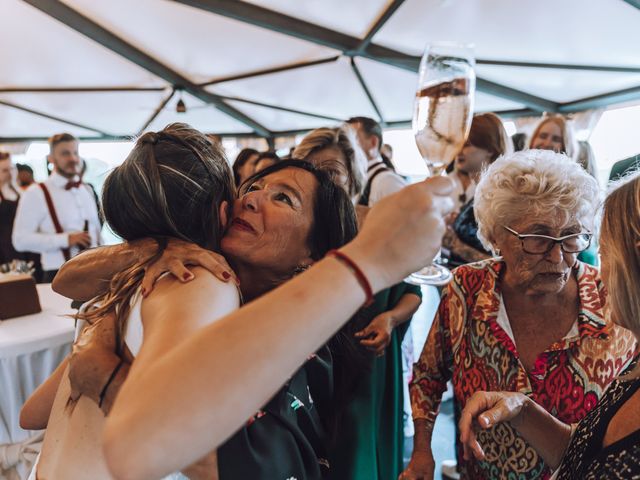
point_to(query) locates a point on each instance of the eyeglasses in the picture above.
(542, 244)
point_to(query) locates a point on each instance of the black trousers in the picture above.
(47, 275)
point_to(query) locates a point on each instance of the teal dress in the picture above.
(285, 439)
(369, 441)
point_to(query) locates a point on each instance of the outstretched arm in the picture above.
(548, 435)
(88, 274)
(206, 387)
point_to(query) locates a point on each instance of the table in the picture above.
(31, 347)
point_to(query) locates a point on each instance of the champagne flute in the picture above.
(442, 114)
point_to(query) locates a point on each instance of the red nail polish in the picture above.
(226, 275)
(187, 276)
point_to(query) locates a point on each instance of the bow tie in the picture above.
(71, 185)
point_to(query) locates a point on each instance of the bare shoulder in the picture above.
(198, 302)
(204, 287)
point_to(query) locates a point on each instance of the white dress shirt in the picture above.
(33, 228)
(384, 184)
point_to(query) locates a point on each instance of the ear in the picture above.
(224, 213)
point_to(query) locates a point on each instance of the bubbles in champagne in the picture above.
(441, 121)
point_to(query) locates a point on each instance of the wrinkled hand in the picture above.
(93, 359)
(177, 256)
(403, 232)
(420, 467)
(484, 410)
(377, 335)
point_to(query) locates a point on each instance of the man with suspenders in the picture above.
(386, 180)
(58, 217)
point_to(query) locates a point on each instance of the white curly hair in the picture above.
(530, 183)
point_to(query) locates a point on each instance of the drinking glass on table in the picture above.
(442, 115)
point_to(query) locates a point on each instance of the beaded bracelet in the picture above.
(362, 279)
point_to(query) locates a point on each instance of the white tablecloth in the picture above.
(31, 347)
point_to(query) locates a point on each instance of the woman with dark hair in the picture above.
(245, 164)
(285, 219)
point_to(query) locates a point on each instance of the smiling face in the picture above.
(538, 274)
(549, 137)
(271, 222)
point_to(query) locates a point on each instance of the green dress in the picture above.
(370, 437)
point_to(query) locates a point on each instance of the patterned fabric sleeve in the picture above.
(433, 369)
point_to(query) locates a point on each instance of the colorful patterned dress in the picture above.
(467, 345)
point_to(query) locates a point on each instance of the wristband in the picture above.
(106, 385)
(362, 279)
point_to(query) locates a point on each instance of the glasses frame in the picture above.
(556, 240)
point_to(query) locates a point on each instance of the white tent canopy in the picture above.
(274, 67)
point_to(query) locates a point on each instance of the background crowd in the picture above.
(527, 311)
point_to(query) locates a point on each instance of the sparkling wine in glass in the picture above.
(442, 115)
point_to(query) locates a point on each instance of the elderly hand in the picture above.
(93, 359)
(177, 256)
(420, 467)
(377, 335)
(403, 232)
(487, 409)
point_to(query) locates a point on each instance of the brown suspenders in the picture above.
(54, 218)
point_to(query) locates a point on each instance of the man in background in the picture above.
(59, 217)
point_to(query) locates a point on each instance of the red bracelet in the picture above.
(362, 279)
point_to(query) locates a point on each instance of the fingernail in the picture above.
(485, 421)
(237, 281)
(187, 276)
(226, 275)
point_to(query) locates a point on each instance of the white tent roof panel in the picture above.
(353, 17)
(120, 113)
(19, 124)
(556, 84)
(279, 120)
(330, 89)
(592, 32)
(199, 115)
(38, 51)
(198, 44)
(51, 68)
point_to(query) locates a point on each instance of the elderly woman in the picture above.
(369, 440)
(529, 321)
(606, 443)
